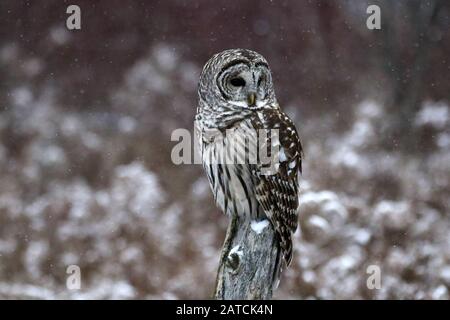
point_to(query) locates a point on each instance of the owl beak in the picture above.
(251, 98)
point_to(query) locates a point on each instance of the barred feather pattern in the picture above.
(240, 187)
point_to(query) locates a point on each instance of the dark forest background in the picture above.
(86, 176)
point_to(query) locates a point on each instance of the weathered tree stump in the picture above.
(248, 261)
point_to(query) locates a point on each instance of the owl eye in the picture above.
(237, 82)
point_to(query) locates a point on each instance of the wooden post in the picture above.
(248, 261)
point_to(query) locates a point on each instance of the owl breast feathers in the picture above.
(251, 150)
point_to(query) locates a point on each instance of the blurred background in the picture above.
(86, 116)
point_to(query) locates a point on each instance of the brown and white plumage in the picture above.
(233, 114)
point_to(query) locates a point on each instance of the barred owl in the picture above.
(236, 102)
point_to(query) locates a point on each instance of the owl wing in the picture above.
(277, 193)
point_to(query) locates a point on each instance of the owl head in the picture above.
(238, 77)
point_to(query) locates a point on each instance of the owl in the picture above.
(238, 110)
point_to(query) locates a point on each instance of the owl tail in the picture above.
(287, 252)
(284, 258)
